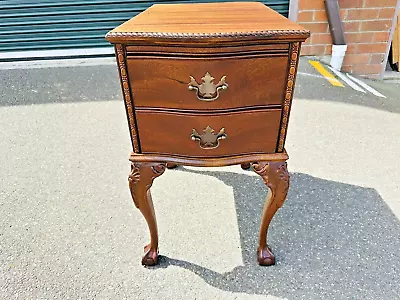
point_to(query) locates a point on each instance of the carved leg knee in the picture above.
(140, 180)
(276, 176)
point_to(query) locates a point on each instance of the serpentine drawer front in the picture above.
(197, 83)
(208, 84)
(245, 132)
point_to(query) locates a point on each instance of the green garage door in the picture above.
(27, 27)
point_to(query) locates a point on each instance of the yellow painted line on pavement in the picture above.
(324, 72)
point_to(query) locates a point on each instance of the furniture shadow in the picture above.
(331, 241)
(60, 85)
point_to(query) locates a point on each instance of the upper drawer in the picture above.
(238, 81)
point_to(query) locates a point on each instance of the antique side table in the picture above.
(208, 84)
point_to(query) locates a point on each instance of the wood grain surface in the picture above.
(209, 161)
(163, 82)
(253, 131)
(250, 55)
(202, 20)
(238, 48)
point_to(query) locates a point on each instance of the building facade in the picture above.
(368, 25)
(43, 28)
(69, 28)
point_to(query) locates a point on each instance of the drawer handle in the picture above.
(208, 140)
(207, 91)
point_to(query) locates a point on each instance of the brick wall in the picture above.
(367, 24)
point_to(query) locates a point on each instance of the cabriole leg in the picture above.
(276, 176)
(140, 180)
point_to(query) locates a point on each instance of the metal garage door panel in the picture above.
(48, 25)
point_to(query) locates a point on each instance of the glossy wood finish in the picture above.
(252, 53)
(163, 82)
(209, 161)
(276, 176)
(245, 166)
(254, 131)
(140, 180)
(171, 166)
(206, 22)
(190, 49)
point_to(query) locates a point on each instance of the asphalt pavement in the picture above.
(69, 229)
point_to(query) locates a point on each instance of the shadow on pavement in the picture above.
(99, 83)
(331, 240)
(59, 85)
(311, 88)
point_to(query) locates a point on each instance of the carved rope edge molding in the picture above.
(127, 95)
(294, 54)
(264, 33)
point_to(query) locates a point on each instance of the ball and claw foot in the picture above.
(150, 257)
(276, 177)
(265, 257)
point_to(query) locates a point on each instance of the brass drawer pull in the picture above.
(208, 140)
(207, 91)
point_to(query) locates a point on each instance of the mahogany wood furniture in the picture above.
(208, 85)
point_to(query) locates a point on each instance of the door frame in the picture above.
(389, 43)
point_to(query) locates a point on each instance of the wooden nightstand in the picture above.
(208, 85)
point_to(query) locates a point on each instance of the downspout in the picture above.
(339, 46)
(293, 10)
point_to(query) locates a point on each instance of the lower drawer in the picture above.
(216, 134)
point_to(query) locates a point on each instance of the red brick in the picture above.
(351, 26)
(356, 59)
(371, 48)
(381, 37)
(360, 37)
(305, 16)
(386, 13)
(320, 15)
(378, 25)
(316, 27)
(362, 14)
(377, 58)
(307, 42)
(351, 48)
(318, 50)
(328, 49)
(306, 50)
(311, 4)
(343, 13)
(321, 38)
(367, 69)
(350, 3)
(348, 69)
(380, 3)
(313, 50)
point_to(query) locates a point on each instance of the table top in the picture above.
(208, 20)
